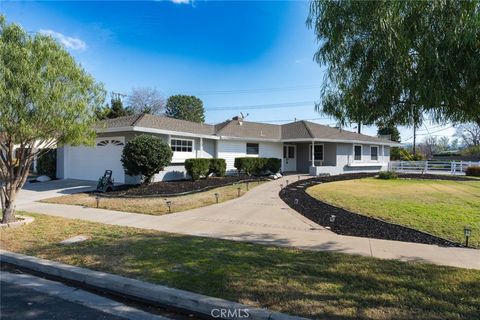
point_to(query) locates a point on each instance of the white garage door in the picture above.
(90, 163)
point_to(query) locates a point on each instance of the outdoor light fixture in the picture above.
(97, 199)
(286, 182)
(247, 185)
(467, 231)
(216, 196)
(169, 205)
(238, 189)
(298, 178)
(332, 218)
(295, 201)
(281, 186)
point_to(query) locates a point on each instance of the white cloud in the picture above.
(68, 42)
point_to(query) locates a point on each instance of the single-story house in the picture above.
(304, 147)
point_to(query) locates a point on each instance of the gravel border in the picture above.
(355, 224)
(170, 195)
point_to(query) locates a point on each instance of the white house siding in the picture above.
(229, 150)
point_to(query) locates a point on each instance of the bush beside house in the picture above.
(202, 167)
(256, 166)
(146, 155)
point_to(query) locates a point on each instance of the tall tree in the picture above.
(395, 59)
(46, 98)
(115, 110)
(186, 108)
(469, 134)
(146, 100)
(389, 130)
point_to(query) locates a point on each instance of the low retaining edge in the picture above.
(140, 290)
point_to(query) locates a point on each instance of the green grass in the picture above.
(318, 285)
(155, 205)
(438, 207)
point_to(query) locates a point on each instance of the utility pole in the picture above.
(117, 95)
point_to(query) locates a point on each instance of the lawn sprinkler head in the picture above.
(169, 205)
(467, 231)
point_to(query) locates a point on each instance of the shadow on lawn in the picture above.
(313, 284)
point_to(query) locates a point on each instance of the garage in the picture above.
(90, 163)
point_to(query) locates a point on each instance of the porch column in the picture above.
(383, 153)
(313, 153)
(201, 148)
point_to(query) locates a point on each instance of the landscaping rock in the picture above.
(353, 224)
(76, 239)
(43, 178)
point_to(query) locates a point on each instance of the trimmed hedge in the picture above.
(387, 175)
(473, 171)
(197, 168)
(257, 166)
(218, 167)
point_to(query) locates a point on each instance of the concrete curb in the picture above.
(81, 297)
(144, 291)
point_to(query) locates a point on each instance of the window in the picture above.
(181, 145)
(357, 153)
(252, 148)
(317, 152)
(114, 142)
(374, 153)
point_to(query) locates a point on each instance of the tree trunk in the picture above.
(359, 128)
(414, 139)
(9, 210)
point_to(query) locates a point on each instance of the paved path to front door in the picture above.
(261, 216)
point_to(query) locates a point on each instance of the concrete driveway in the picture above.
(259, 216)
(42, 190)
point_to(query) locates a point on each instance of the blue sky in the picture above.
(232, 55)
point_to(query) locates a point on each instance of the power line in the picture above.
(430, 133)
(258, 90)
(266, 106)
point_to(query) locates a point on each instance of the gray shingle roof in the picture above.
(158, 122)
(232, 128)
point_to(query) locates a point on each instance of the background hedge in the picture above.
(473, 171)
(47, 164)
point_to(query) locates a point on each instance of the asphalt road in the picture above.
(17, 302)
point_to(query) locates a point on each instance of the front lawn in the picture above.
(439, 207)
(155, 205)
(318, 285)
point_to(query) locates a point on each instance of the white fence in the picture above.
(449, 167)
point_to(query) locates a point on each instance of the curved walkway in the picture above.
(260, 216)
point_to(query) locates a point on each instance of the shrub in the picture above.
(387, 175)
(146, 155)
(47, 164)
(274, 165)
(473, 171)
(218, 167)
(471, 151)
(257, 166)
(197, 168)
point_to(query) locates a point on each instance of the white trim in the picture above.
(378, 153)
(361, 152)
(158, 131)
(214, 137)
(367, 164)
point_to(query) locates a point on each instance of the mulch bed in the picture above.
(353, 224)
(175, 188)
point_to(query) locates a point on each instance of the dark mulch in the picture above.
(176, 188)
(353, 224)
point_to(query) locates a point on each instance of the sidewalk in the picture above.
(261, 216)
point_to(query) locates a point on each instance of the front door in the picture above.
(289, 158)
